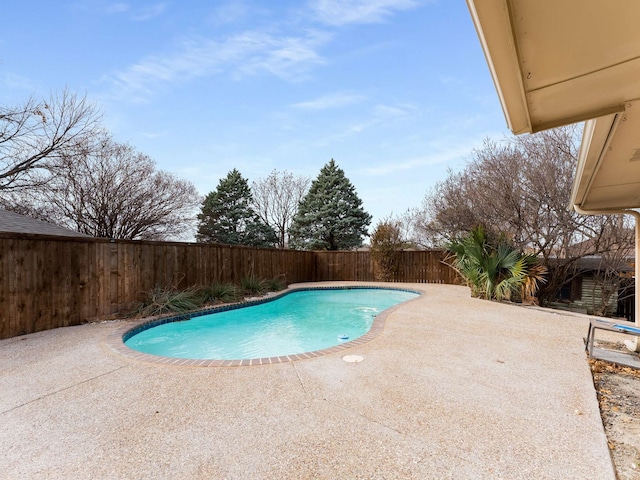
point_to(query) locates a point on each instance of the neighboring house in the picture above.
(583, 65)
(16, 223)
(592, 289)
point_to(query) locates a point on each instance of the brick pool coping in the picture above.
(115, 340)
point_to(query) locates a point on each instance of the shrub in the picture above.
(386, 249)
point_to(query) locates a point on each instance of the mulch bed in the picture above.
(618, 390)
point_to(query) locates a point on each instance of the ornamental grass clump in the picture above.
(274, 285)
(160, 300)
(253, 285)
(221, 293)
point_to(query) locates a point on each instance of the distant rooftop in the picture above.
(16, 223)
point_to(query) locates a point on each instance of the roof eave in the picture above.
(492, 21)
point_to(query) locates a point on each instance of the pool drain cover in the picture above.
(352, 358)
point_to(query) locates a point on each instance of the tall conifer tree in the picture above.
(330, 216)
(227, 216)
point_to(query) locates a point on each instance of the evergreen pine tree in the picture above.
(227, 216)
(330, 216)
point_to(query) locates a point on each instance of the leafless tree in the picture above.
(276, 199)
(111, 190)
(38, 132)
(409, 225)
(520, 189)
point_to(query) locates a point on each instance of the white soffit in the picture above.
(556, 62)
(608, 175)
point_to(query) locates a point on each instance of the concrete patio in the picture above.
(454, 387)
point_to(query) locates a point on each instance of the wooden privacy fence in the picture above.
(415, 266)
(48, 282)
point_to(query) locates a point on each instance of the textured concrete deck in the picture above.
(454, 387)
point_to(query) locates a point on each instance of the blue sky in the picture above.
(396, 91)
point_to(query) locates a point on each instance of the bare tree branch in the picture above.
(38, 132)
(107, 189)
(276, 199)
(520, 189)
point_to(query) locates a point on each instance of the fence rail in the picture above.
(48, 282)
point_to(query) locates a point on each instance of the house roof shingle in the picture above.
(16, 223)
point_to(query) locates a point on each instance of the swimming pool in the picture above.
(298, 321)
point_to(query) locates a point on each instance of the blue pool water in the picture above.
(302, 321)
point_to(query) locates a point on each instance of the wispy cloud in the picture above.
(287, 57)
(440, 153)
(247, 53)
(380, 115)
(229, 12)
(335, 100)
(152, 135)
(384, 112)
(118, 7)
(342, 12)
(147, 13)
(134, 12)
(12, 81)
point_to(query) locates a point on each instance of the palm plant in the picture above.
(535, 277)
(494, 272)
(467, 255)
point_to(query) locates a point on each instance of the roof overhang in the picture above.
(560, 62)
(608, 173)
